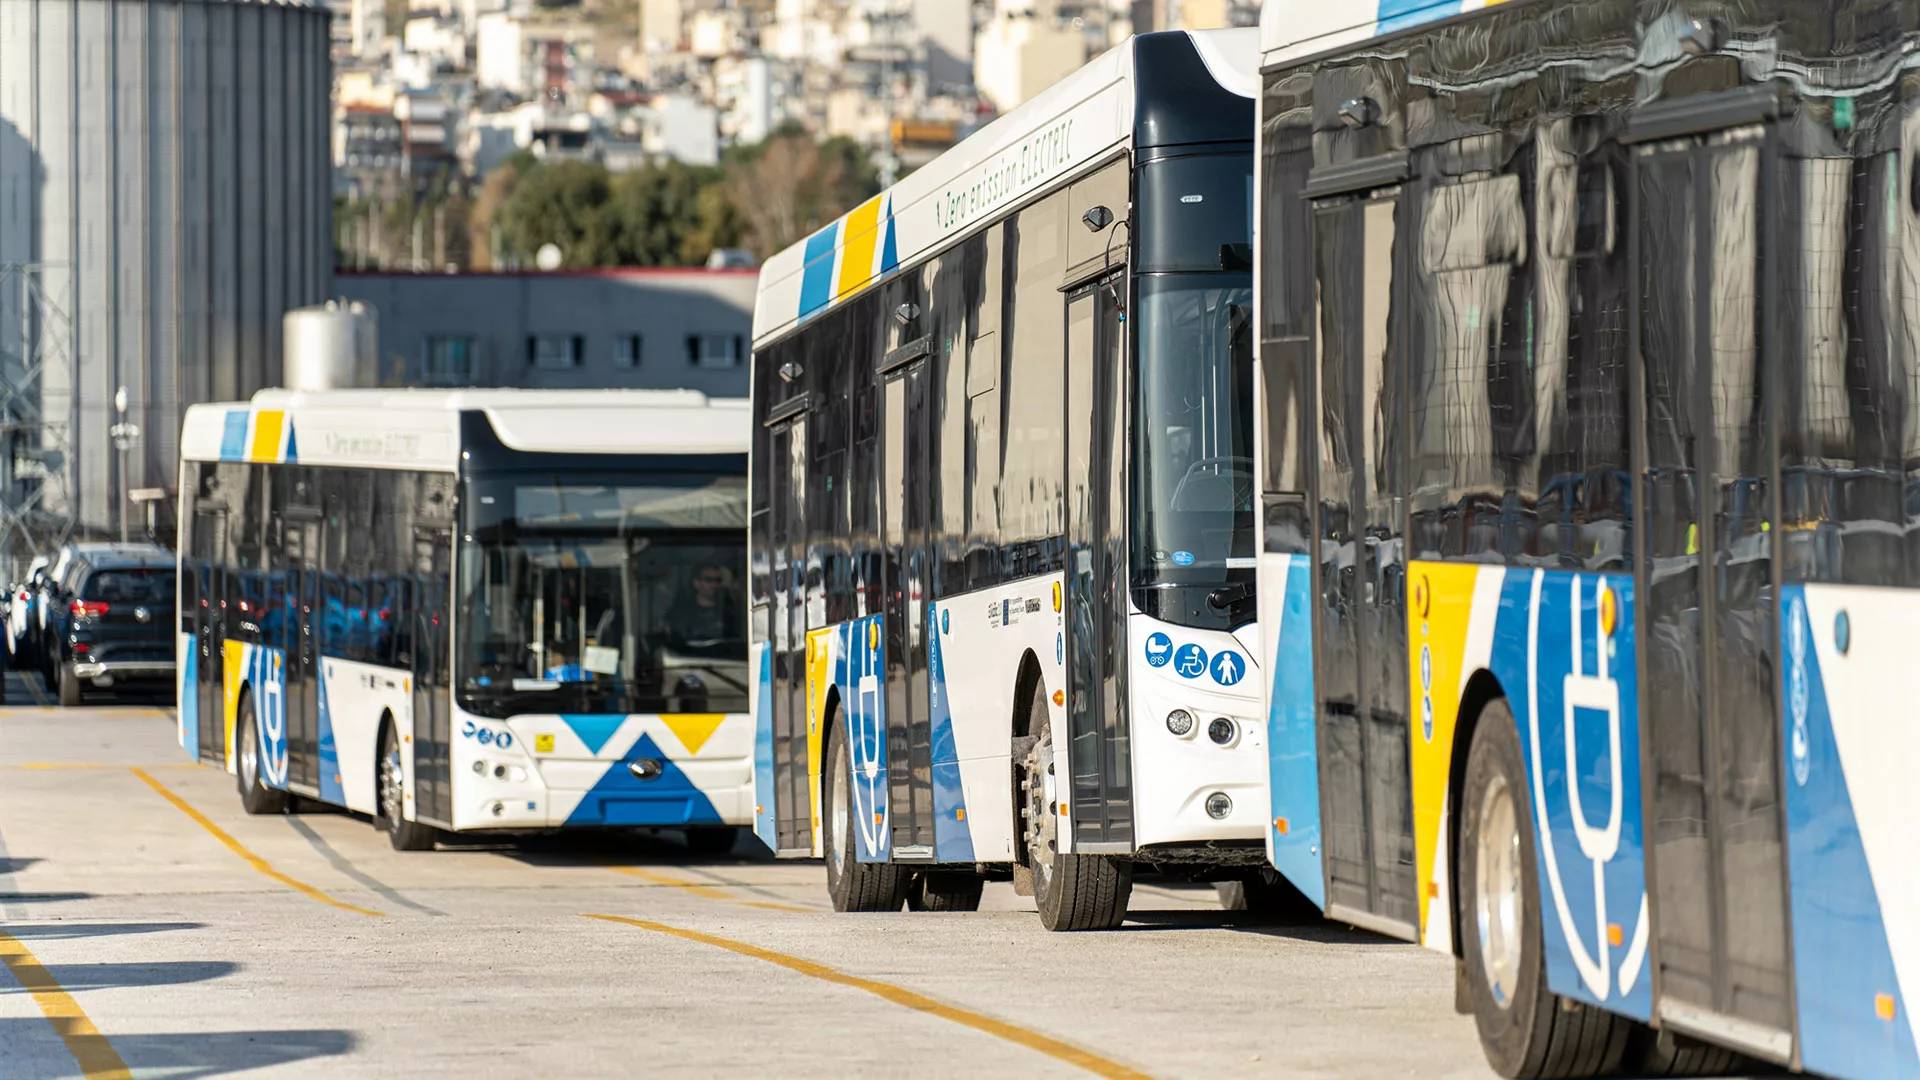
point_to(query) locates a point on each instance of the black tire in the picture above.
(390, 799)
(1073, 892)
(255, 796)
(69, 686)
(945, 890)
(852, 885)
(712, 842)
(1653, 1053)
(1265, 892)
(1526, 1029)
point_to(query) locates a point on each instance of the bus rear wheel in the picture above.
(1073, 892)
(1526, 1029)
(852, 884)
(255, 796)
(404, 835)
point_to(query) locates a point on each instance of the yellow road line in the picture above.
(92, 766)
(97, 1058)
(706, 892)
(251, 859)
(1032, 1040)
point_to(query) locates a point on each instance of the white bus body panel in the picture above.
(1211, 674)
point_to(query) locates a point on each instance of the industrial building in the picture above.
(638, 328)
(164, 199)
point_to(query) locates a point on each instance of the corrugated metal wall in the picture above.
(167, 159)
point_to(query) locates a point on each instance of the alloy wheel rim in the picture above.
(1497, 891)
(390, 788)
(837, 834)
(249, 758)
(1040, 819)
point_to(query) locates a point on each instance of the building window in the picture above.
(626, 351)
(715, 350)
(555, 350)
(447, 361)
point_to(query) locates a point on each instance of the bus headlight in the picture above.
(1180, 722)
(1220, 731)
(1219, 805)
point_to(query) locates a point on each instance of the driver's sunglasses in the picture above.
(711, 579)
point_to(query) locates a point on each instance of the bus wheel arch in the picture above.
(828, 719)
(389, 813)
(1482, 689)
(851, 884)
(1525, 1028)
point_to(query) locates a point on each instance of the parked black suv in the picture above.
(113, 622)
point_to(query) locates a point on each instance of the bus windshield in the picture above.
(1193, 496)
(603, 594)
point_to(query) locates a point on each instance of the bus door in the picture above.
(208, 553)
(906, 503)
(788, 637)
(1714, 817)
(1096, 572)
(299, 563)
(1360, 644)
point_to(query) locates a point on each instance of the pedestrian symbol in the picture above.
(1228, 669)
(1190, 661)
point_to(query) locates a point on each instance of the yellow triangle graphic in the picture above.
(693, 729)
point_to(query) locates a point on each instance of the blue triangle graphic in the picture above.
(293, 453)
(594, 729)
(620, 798)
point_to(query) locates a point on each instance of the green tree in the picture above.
(652, 213)
(557, 202)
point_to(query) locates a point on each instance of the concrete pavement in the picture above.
(146, 922)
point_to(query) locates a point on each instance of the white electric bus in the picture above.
(1002, 563)
(1591, 476)
(466, 610)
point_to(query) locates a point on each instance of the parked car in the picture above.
(112, 625)
(22, 628)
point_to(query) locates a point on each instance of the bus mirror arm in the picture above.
(1226, 596)
(1106, 264)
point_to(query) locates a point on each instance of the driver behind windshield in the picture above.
(704, 614)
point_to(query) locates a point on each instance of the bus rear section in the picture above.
(1591, 518)
(483, 610)
(1002, 514)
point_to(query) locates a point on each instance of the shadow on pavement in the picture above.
(42, 897)
(184, 1056)
(14, 866)
(664, 847)
(1295, 927)
(78, 977)
(62, 931)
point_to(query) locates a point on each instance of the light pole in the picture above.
(124, 435)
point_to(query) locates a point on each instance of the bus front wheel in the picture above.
(255, 796)
(852, 884)
(1526, 1029)
(392, 816)
(1073, 892)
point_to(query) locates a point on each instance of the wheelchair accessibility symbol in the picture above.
(1190, 661)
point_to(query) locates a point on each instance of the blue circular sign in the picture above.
(1190, 661)
(1159, 650)
(1229, 668)
(1183, 558)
